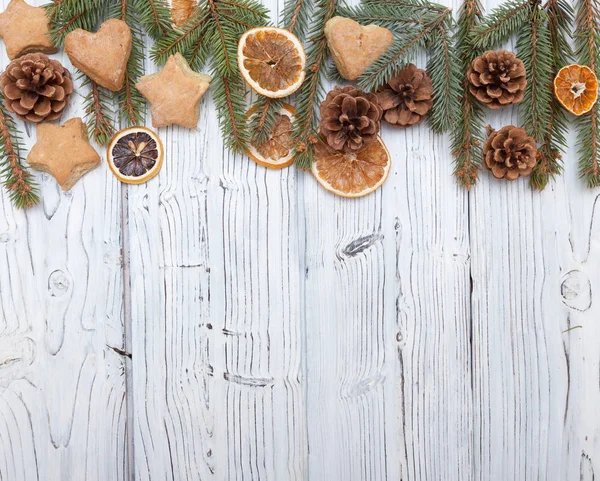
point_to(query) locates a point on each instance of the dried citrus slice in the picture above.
(181, 10)
(576, 88)
(272, 61)
(276, 152)
(135, 155)
(352, 174)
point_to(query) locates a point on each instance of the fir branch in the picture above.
(185, 39)
(466, 141)
(535, 50)
(132, 105)
(400, 53)
(413, 6)
(587, 51)
(444, 70)
(16, 178)
(154, 16)
(549, 165)
(228, 85)
(305, 128)
(501, 24)
(97, 113)
(263, 119)
(68, 15)
(296, 16)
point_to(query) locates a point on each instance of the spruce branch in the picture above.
(466, 139)
(535, 50)
(154, 16)
(97, 113)
(587, 51)
(16, 178)
(549, 165)
(305, 128)
(132, 105)
(68, 15)
(401, 52)
(184, 39)
(444, 70)
(501, 24)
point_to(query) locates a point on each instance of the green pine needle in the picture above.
(154, 16)
(98, 114)
(467, 134)
(68, 15)
(587, 51)
(500, 24)
(305, 127)
(21, 185)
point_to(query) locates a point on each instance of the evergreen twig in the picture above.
(132, 105)
(466, 139)
(587, 51)
(500, 24)
(401, 51)
(154, 17)
(305, 128)
(549, 165)
(16, 178)
(68, 15)
(97, 114)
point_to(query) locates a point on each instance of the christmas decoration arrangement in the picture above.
(226, 46)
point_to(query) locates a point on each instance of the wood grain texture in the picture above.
(62, 380)
(280, 333)
(536, 385)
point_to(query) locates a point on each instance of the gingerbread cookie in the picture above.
(25, 29)
(354, 47)
(64, 152)
(103, 55)
(174, 93)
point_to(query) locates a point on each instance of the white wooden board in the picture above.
(278, 332)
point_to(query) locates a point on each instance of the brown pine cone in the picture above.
(350, 118)
(36, 88)
(509, 153)
(407, 98)
(497, 78)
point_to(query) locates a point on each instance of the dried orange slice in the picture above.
(277, 151)
(181, 10)
(272, 61)
(355, 174)
(576, 88)
(135, 155)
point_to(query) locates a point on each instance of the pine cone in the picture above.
(497, 78)
(350, 118)
(36, 88)
(509, 153)
(406, 98)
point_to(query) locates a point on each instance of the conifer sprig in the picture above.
(549, 165)
(98, 115)
(500, 24)
(587, 51)
(535, 50)
(305, 127)
(68, 15)
(131, 104)
(154, 16)
(19, 182)
(402, 50)
(466, 139)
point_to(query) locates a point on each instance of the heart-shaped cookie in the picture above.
(103, 55)
(354, 47)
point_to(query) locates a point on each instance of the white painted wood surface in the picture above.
(226, 322)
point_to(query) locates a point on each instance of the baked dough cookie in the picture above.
(25, 29)
(64, 152)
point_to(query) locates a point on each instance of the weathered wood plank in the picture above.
(62, 383)
(216, 326)
(535, 275)
(388, 322)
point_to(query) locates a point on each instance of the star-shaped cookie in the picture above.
(174, 93)
(25, 29)
(64, 152)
